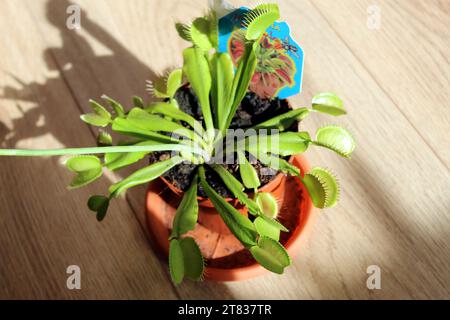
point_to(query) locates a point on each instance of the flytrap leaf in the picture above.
(94, 120)
(268, 204)
(185, 260)
(323, 188)
(197, 71)
(193, 261)
(259, 19)
(104, 139)
(267, 229)
(87, 168)
(328, 103)
(144, 175)
(187, 212)
(100, 118)
(271, 255)
(248, 173)
(138, 102)
(176, 262)
(184, 31)
(174, 82)
(99, 204)
(204, 33)
(116, 106)
(242, 228)
(336, 139)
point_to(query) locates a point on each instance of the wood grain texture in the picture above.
(395, 204)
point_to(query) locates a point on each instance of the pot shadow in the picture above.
(85, 74)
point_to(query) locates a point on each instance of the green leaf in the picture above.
(87, 168)
(138, 102)
(197, 71)
(284, 144)
(242, 228)
(336, 139)
(328, 103)
(104, 139)
(267, 229)
(185, 259)
(95, 120)
(116, 106)
(323, 187)
(271, 255)
(172, 112)
(200, 32)
(268, 204)
(187, 212)
(176, 262)
(99, 204)
(236, 189)
(192, 258)
(248, 173)
(127, 127)
(184, 31)
(144, 175)
(116, 161)
(285, 120)
(141, 119)
(99, 110)
(259, 19)
(241, 82)
(174, 82)
(223, 72)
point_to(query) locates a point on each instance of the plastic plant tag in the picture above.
(279, 71)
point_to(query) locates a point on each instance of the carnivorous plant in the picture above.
(162, 126)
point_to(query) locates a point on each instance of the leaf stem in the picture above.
(99, 150)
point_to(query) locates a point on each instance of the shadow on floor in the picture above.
(86, 75)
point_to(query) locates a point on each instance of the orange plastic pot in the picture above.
(227, 260)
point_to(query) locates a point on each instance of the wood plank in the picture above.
(407, 56)
(45, 228)
(395, 198)
(394, 208)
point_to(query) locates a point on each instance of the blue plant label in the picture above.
(279, 72)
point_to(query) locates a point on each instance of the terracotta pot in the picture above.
(227, 259)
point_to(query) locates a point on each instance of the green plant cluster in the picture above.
(162, 126)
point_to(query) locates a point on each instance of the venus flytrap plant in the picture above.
(162, 126)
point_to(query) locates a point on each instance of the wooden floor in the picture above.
(395, 210)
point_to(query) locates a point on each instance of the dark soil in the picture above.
(252, 111)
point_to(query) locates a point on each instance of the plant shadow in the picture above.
(120, 74)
